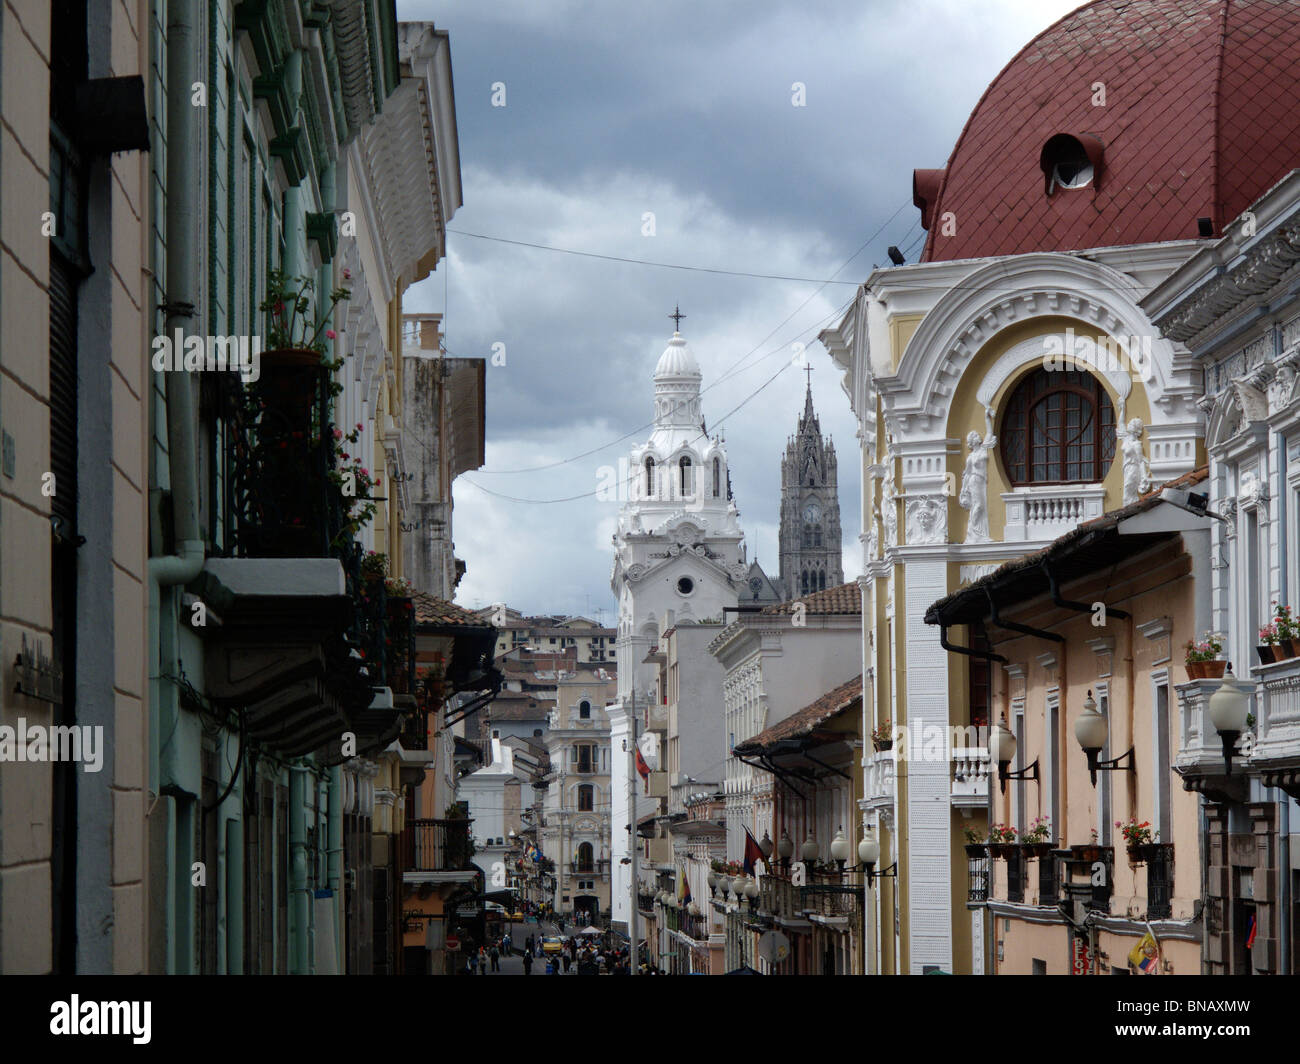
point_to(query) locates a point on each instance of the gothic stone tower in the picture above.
(810, 510)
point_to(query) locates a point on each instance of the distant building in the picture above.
(810, 510)
(593, 643)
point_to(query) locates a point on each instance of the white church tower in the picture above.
(678, 554)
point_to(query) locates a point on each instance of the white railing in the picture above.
(421, 331)
(878, 782)
(970, 776)
(1200, 750)
(1277, 731)
(1043, 513)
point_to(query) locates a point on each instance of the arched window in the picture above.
(1059, 428)
(803, 582)
(687, 483)
(586, 797)
(649, 477)
(717, 478)
(807, 536)
(584, 709)
(817, 535)
(586, 859)
(821, 580)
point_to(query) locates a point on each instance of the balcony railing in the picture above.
(589, 868)
(1200, 750)
(645, 903)
(696, 927)
(970, 776)
(280, 499)
(1048, 511)
(1277, 731)
(1160, 882)
(878, 784)
(436, 845)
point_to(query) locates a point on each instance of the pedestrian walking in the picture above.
(508, 945)
(528, 964)
(482, 961)
(494, 955)
(568, 960)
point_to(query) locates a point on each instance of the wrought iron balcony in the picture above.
(430, 845)
(280, 499)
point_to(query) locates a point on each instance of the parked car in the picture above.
(552, 944)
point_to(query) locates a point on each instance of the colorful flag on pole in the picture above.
(643, 770)
(1145, 956)
(752, 853)
(683, 888)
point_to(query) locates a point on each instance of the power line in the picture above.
(645, 262)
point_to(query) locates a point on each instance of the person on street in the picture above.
(507, 945)
(494, 955)
(568, 959)
(482, 960)
(528, 964)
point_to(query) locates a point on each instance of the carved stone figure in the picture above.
(975, 482)
(888, 503)
(925, 520)
(1137, 470)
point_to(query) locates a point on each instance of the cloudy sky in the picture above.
(684, 111)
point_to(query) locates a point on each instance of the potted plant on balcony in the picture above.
(975, 842)
(1269, 641)
(1037, 839)
(1002, 841)
(1288, 632)
(882, 736)
(1138, 836)
(1091, 852)
(1202, 658)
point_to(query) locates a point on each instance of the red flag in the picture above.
(643, 770)
(752, 853)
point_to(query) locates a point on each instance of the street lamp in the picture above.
(766, 846)
(1002, 749)
(1228, 710)
(809, 850)
(869, 854)
(1090, 729)
(840, 848)
(785, 848)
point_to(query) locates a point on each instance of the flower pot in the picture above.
(976, 849)
(1265, 651)
(1000, 851)
(1037, 850)
(1291, 648)
(1195, 670)
(1087, 853)
(1213, 670)
(882, 745)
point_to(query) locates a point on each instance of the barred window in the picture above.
(1059, 428)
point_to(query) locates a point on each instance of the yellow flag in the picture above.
(1145, 956)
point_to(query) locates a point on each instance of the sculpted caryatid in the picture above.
(888, 503)
(1137, 471)
(975, 482)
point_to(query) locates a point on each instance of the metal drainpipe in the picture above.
(1284, 820)
(336, 861)
(235, 895)
(298, 908)
(182, 267)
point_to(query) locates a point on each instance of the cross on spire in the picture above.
(677, 317)
(808, 370)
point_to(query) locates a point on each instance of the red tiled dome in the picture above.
(1201, 117)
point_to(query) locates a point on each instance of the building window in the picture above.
(649, 477)
(1059, 428)
(586, 798)
(717, 478)
(585, 861)
(685, 585)
(584, 709)
(687, 480)
(803, 582)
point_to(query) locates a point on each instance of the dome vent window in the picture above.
(1070, 162)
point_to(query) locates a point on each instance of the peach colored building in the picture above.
(1094, 623)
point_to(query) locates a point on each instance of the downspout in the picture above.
(298, 890)
(336, 861)
(182, 268)
(181, 241)
(1284, 825)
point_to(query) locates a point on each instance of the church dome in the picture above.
(1124, 123)
(677, 360)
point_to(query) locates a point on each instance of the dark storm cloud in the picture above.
(684, 110)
